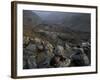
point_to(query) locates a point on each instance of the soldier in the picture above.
(59, 61)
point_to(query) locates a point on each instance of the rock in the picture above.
(54, 62)
(25, 39)
(32, 62)
(40, 58)
(86, 59)
(60, 61)
(29, 57)
(59, 50)
(29, 62)
(37, 40)
(79, 59)
(65, 63)
(67, 46)
(85, 44)
(31, 47)
(48, 49)
(40, 47)
(27, 52)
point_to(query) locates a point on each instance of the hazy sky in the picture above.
(52, 16)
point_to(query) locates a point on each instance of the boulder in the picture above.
(60, 61)
(59, 50)
(29, 62)
(79, 59)
(31, 47)
(65, 63)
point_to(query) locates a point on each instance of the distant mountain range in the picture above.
(57, 25)
(30, 19)
(60, 20)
